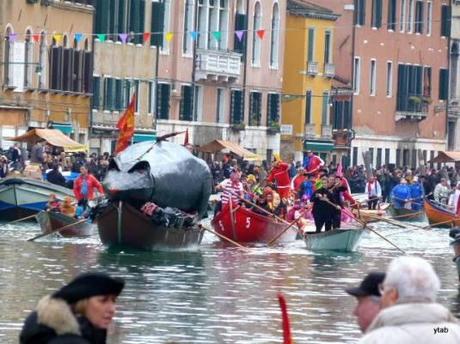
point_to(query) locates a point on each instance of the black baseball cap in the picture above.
(369, 286)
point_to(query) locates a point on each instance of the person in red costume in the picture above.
(280, 175)
(313, 163)
(84, 187)
(346, 194)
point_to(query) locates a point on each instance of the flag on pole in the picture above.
(126, 125)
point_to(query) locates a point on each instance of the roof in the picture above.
(308, 9)
(54, 137)
(447, 157)
(218, 145)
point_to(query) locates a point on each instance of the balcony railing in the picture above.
(329, 70)
(312, 68)
(218, 65)
(454, 108)
(310, 130)
(326, 131)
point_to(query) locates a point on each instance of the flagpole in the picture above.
(157, 70)
(195, 40)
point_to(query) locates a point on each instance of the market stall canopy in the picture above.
(444, 157)
(218, 145)
(54, 137)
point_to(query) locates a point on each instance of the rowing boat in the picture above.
(52, 221)
(344, 240)
(404, 214)
(440, 216)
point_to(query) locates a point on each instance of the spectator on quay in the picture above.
(55, 176)
(4, 169)
(36, 153)
(410, 314)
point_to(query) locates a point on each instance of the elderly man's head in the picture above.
(409, 279)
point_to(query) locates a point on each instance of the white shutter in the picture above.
(18, 66)
(30, 66)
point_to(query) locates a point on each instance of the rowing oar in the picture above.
(377, 218)
(441, 223)
(223, 237)
(407, 215)
(23, 219)
(287, 336)
(271, 242)
(57, 230)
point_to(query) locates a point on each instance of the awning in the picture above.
(54, 137)
(318, 145)
(141, 137)
(218, 145)
(447, 157)
(66, 128)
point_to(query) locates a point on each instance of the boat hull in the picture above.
(51, 221)
(20, 197)
(440, 217)
(250, 227)
(343, 240)
(408, 215)
(123, 225)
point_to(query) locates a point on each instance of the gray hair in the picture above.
(414, 278)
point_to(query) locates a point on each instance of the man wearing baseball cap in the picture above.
(368, 297)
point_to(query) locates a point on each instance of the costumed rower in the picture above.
(400, 195)
(374, 192)
(347, 193)
(280, 175)
(232, 190)
(417, 194)
(454, 200)
(312, 163)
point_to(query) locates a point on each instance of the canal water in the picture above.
(213, 294)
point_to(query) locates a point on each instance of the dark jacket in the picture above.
(322, 207)
(53, 322)
(56, 177)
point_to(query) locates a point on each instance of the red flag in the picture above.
(287, 336)
(146, 36)
(186, 138)
(126, 125)
(261, 33)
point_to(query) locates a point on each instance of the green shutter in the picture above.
(324, 120)
(122, 16)
(443, 84)
(311, 44)
(137, 19)
(119, 95)
(102, 16)
(96, 92)
(158, 16)
(445, 21)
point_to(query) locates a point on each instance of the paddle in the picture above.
(23, 219)
(224, 237)
(271, 242)
(407, 215)
(377, 218)
(57, 230)
(441, 223)
(287, 336)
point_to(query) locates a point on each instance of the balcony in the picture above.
(310, 130)
(326, 131)
(312, 68)
(329, 70)
(454, 108)
(413, 108)
(218, 65)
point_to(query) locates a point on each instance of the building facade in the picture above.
(454, 90)
(46, 67)
(308, 74)
(217, 70)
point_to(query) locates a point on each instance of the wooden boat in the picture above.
(455, 234)
(246, 226)
(124, 225)
(440, 216)
(368, 216)
(344, 240)
(21, 197)
(51, 221)
(403, 214)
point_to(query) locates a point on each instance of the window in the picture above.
(220, 105)
(356, 75)
(202, 24)
(275, 37)
(325, 114)
(198, 110)
(236, 107)
(186, 103)
(402, 15)
(427, 82)
(371, 156)
(42, 60)
(410, 89)
(166, 24)
(96, 93)
(445, 21)
(419, 17)
(162, 101)
(398, 157)
(378, 163)
(387, 156)
(429, 18)
(342, 114)
(255, 108)
(28, 59)
(373, 78)
(389, 79)
(443, 83)
(360, 12)
(55, 69)
(376, 14)
(7, 69)
(187, 40)
(311, 45)
(327, 47)
(223, 24)
(136, 19)
(212, 17)
(273, 110)
(109, 94)
(391, 19)
(308, 106)
(239, 46)
(256, 42)
(157, 26)
(119, 95)
(410, 18)
(151, 104)
(355, 155)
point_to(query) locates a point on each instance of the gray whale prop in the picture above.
(165, 173)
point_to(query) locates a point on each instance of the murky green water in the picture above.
(212, 294)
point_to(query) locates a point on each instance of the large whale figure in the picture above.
(165, 173)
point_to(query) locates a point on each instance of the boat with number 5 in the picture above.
(344, 240)
(245, 226)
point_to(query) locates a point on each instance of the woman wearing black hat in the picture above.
(78, 313)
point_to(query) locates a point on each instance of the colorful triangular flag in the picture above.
(239, 34)
(58, 37)
(261, 33)
(146, 36)
(78, 36)
(194, 35)
(217, 35)
(101, 37)
(169, 36)
(123, 37)
(36, 37)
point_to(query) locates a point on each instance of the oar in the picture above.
(440, 223)
(407, 215)
(57, 230)
(224, 238)
(271, 242)
(265, 211)
(377, 218)
(287, 336)
(23, 219)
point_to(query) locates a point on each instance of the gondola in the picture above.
(120, 224)
(21, 197)
(50, 222)
(440, 216)
(344, 240)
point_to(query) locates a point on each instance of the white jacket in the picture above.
(413, 323)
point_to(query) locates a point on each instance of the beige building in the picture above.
(219, 70)
(46, 67)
